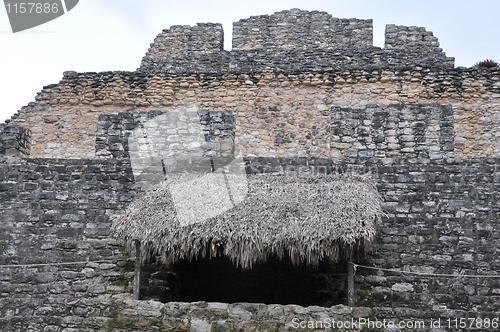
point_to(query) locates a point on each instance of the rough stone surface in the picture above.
(441, 219)
(181, 39)
(175, 132)
(72, 108)
(301, 29)
(422, 130)
(415, 38)
(59, 264)
(15, 141)
(427, 133)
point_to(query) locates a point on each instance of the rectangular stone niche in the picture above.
(399, 130)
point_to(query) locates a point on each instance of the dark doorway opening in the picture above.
(276, 281)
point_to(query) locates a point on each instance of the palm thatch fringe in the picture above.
(306, 217)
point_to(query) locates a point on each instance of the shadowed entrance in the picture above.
(276, 281)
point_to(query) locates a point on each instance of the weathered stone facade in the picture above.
(301, 92)
(297, 29)
(64, 119)
(441, 219)
(14, 141)
(182, 39)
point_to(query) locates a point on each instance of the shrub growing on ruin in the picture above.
(487, 64)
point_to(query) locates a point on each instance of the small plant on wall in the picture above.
(487, 64)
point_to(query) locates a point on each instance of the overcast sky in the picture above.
(102, 35)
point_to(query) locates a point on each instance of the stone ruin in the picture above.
(300, 92)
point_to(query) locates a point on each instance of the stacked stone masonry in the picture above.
(427, 134)
(415, 38)
(298, 29)
(422, 130)
(296, 61)
(177, 132)
(14, 141)
(202, 38)
(64, 119)
(442, 218)
(55, 213)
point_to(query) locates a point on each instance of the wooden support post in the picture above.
(350, 278)
(137, 270)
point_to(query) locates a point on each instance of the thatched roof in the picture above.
(306, 217)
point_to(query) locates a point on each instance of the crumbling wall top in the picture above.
(182, 39)
(415, 38)
(15, 141)
(301, 29)
(292, 40)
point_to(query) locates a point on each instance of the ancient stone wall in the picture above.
(400, 130)
(417, 39)
(409, 130)
(293, 40)
(301, 29)
(14, 141)
(442, 220)
(203, 316)
(66, 201)
(198, 133)
(182, 39)
(265, 105)
(427, 133)
(247, 62)
(289, 83)
(62, 271)
(59, 265)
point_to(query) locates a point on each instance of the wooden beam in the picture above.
(350, 277)
(137, 269)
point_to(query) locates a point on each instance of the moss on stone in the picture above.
(120, 323)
